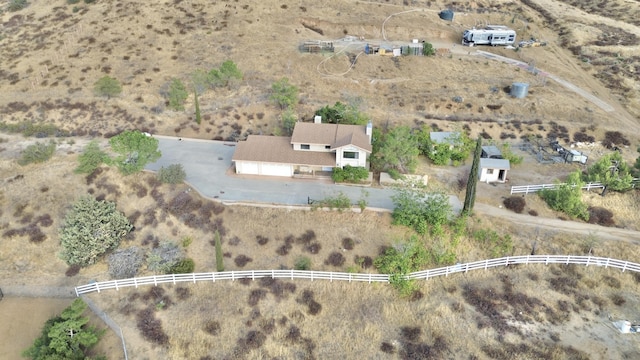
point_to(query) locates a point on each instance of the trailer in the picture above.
(491, 35)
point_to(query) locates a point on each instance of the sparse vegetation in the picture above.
(400, 260)
(124, 263)
(612, 171)
(219, 257)
(164, 258)
(37, 153)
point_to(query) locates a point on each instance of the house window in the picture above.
(350, 155)
(305, 147)
(489, 171)
(327, 147)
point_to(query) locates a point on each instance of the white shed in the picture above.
(493, 170)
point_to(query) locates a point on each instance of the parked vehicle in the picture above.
(491, 35)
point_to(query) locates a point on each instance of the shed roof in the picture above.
(335, 135)
(491, 151)
(444, 137)
(278, 149)
(501, 164)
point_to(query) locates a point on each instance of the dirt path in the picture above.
(560, 225)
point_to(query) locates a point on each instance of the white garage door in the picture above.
(276, 169)
(246, 167)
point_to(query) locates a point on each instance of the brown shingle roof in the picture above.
(278, 149)
(335, 135)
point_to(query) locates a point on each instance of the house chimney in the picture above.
(369, 130)
(317, 119)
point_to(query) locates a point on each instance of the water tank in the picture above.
(519, 90)
(446, 15)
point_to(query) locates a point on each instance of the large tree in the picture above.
(612, 171)
(67, 336)
(421, 210)
(470, 196)
(90, 229)
(107, 86)
(135, 150)
(396, 150)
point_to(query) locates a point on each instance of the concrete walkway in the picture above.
(209, 170)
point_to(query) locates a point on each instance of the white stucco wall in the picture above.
(360, 161)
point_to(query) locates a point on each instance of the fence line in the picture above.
(526, 189)
(350, 277)
(535, 188)
(107, 320)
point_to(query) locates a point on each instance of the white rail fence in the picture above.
(526, 189)
(350, 277)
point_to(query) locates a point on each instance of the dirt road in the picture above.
(573, 227)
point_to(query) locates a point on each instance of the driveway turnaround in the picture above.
(209, 169)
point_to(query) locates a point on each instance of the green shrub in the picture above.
(90, 229)
(30, 128)
(91, 158)
(350, 174)
(509, 155)
(172, 174)
(342, 114)
(400, 260)
(37, 153)
(302, 263)
(107, 86)
(284, 94)
(184, 266)
(71, 2)
(339, 201)
(177, 95)
(427, 49)
(567, 197)
(420, 210)
(496, 245)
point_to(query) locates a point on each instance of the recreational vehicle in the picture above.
(491, 35)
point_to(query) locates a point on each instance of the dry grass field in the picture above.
(54, 52)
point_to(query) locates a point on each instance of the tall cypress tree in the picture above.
(470, 196)
(219, 260)
(198, 119)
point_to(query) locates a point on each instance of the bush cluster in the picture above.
(163, 258)
(515, 204)
(350, 174)
(124, 263)
(37, 153)
(172, 174)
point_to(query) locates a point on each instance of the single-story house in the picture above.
(491, 152)
(445, 137)
(493, 170)
(312, 147)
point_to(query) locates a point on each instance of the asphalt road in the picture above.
(209, 170)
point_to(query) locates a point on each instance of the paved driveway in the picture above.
(208, 165)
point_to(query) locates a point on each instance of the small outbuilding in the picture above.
(493, 170)
(491, 152)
